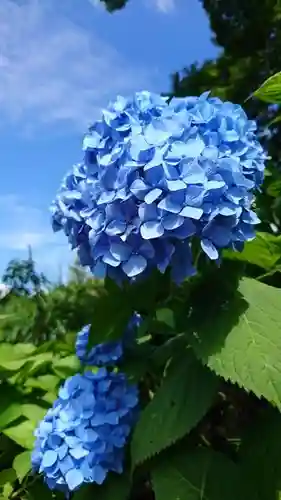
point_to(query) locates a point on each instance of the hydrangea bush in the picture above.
(183, 402)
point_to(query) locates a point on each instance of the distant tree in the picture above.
(77, 273)
(22, 278)
(250, 35)
(112, 5)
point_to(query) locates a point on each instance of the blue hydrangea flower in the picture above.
(101, 354)
(83, 435)
(155, 175)
(107, 353)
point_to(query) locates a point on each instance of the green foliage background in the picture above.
(208, 355)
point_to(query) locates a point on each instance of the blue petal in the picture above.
(139, 145)
(148, 212)
(172, 221)
(176, 185)
(74, 478)
(110, 260)
(134, 266)
(62, 451)
(152, 195)
(173, 202)
(78, 452)
(99, 474)
(151, 229)
(99, 270)
(192, 212)
(192, 172)
(139, 188)
(156, 133)
(120, 251)
(49, 458)
(91, 141)
(115, 227)
(210, 249)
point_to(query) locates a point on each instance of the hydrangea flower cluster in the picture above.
(82, 436)
(154, 175)
(107, 353)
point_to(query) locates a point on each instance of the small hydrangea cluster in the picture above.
(154, 175)
(107, 353)
(82, 436)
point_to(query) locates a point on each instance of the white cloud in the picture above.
(22, 225)
(53, 70)
(165, 6)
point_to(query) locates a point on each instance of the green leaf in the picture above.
(241, 341)
(66, 367)
(166, 316)
(11, 358)
(274, 188)
(111, 314)
(182, 400)
(7, 476)
(10, 404)
(270, 90)
(260, 453)
(7, 490)
(45, 382)
(172, 347)
(195, 475)
(264, 251)
(11, 413)
(22, 464)
(22, 434)
(39, 491)
(34, 413)
(115, 488)
(37, 363)
(50, 397)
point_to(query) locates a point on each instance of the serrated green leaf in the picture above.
(22, 464)
(22, 434)
(264, 251)
(241, 341)
(270, 90)
(183, 399)
(196, 475)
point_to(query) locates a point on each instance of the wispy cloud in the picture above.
(22, 225)
(165, 6)
(54, 70)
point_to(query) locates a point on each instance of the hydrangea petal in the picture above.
(74, 478)
(134, 266)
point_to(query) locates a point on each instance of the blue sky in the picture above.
(60, 62)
